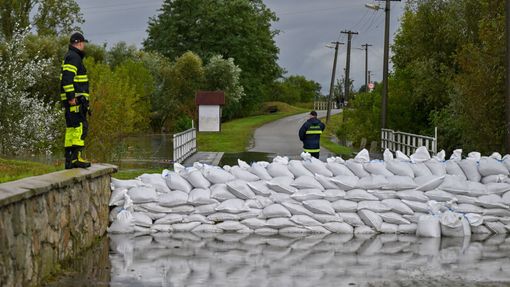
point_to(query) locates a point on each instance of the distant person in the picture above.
(310, 134)
(74, 93)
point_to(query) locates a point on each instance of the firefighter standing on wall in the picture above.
(74, 93)
(310, 134)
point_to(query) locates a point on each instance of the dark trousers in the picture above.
(315, 154)
(76, 128)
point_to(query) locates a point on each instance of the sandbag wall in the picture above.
(418, 195)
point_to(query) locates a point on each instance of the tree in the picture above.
(239, 29)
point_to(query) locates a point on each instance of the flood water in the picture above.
(231, 259)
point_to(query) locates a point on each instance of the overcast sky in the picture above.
(306, 27)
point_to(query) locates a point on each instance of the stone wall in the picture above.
(49, 218)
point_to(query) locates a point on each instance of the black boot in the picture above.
(78, 161)
(68, 154)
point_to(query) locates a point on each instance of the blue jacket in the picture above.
(310, 135)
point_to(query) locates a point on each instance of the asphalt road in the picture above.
(281, 136)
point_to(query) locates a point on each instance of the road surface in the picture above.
(281, 136)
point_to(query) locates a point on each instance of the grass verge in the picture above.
(236, 135)
(132, 173)
(334, 122)
(11, 170)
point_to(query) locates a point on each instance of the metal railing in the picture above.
(185, 144)
(406, 142)
(318, 106)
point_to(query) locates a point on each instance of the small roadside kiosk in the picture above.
(209, 110)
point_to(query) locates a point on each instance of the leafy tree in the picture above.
(295, 89)
(239, 29)
(121, 52)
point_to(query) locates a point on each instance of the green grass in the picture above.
(11, 170)
(334, 122)
(235, 136)
(132, 173)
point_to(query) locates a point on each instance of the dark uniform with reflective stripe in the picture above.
(74, 84)
(310, 135)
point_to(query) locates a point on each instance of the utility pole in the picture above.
(507, 96)
(348, 63)
(366, 65)
(332, 86)
(369, 76)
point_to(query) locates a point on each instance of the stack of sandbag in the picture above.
(419, 194)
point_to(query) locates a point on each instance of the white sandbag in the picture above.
(494, 178)
(296, 209)
(375, 206)
(362, 156)
(382, 194)
(240, 189)
(481, 229)
(502, 212)
(339, 227)
(345, 182)
(339, 169)
(428, 226)
(414, 195)
(351, 218)
(466, 199)
(416, 206)
(155, 180)
(278, 197)
(356, 168)
(169, 219)
(252, 213)
(377, 168)
(497, 187)
(197, 218)
(117, 197)
(195, 178)
(364, 230)
(317, 230)
(440, 156)
(489, 166)
(414, 218)
(325, 218)
(407, 228)
(474, 219)
(455, 184)
(176, 182)
(506, 197)
(394, 218)
(242, 174)
(141, 194)
(454, 225)
(282, 184)
(453, 168)
(439, 195)
(222, 216)
(125, 183)
(467, 208)
(506, 161)
(260, 171)
(141, 219)
(207, 228)
(470, 169)
(264, 201)
(220, 192)
(345, 205)
(216, 174)
(456, 155)
(388, 228)
(436, 167)
(359, 195)
(316, 166)
(278, 169)
(420, 155)
(124, 223)
(254, 223)
(491, 218)
(232, 206)
(476, 188)
(200, 196)
(420, 169)
(492, 201)
(279, 222)
(372, 182)
(265, 231)
(184, 227)
(336, 194)
(114, 212)
(397, 206)
(230, 225)
(161, 228)
(320, 206)
(183, 209)
(325, 181)
(275, 210)
(304, 220)
(173, 198)
(399, 182)
(306, 182)
(496, 227)
(285, 160)
(307, 194)
(335, 159)
(398, 167)
(298, 169)
(371, 219)
(260, 188)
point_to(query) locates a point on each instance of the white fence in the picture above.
(406, 142)
(185, 144)
(318, 106)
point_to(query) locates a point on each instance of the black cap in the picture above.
(313, 113)
(77, 37)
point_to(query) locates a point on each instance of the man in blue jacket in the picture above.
(310, 134)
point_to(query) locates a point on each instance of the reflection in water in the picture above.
(186, 259)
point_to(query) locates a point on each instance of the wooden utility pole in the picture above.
(366, 65)
(348, 63)
(507, 96)
(332, 85)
